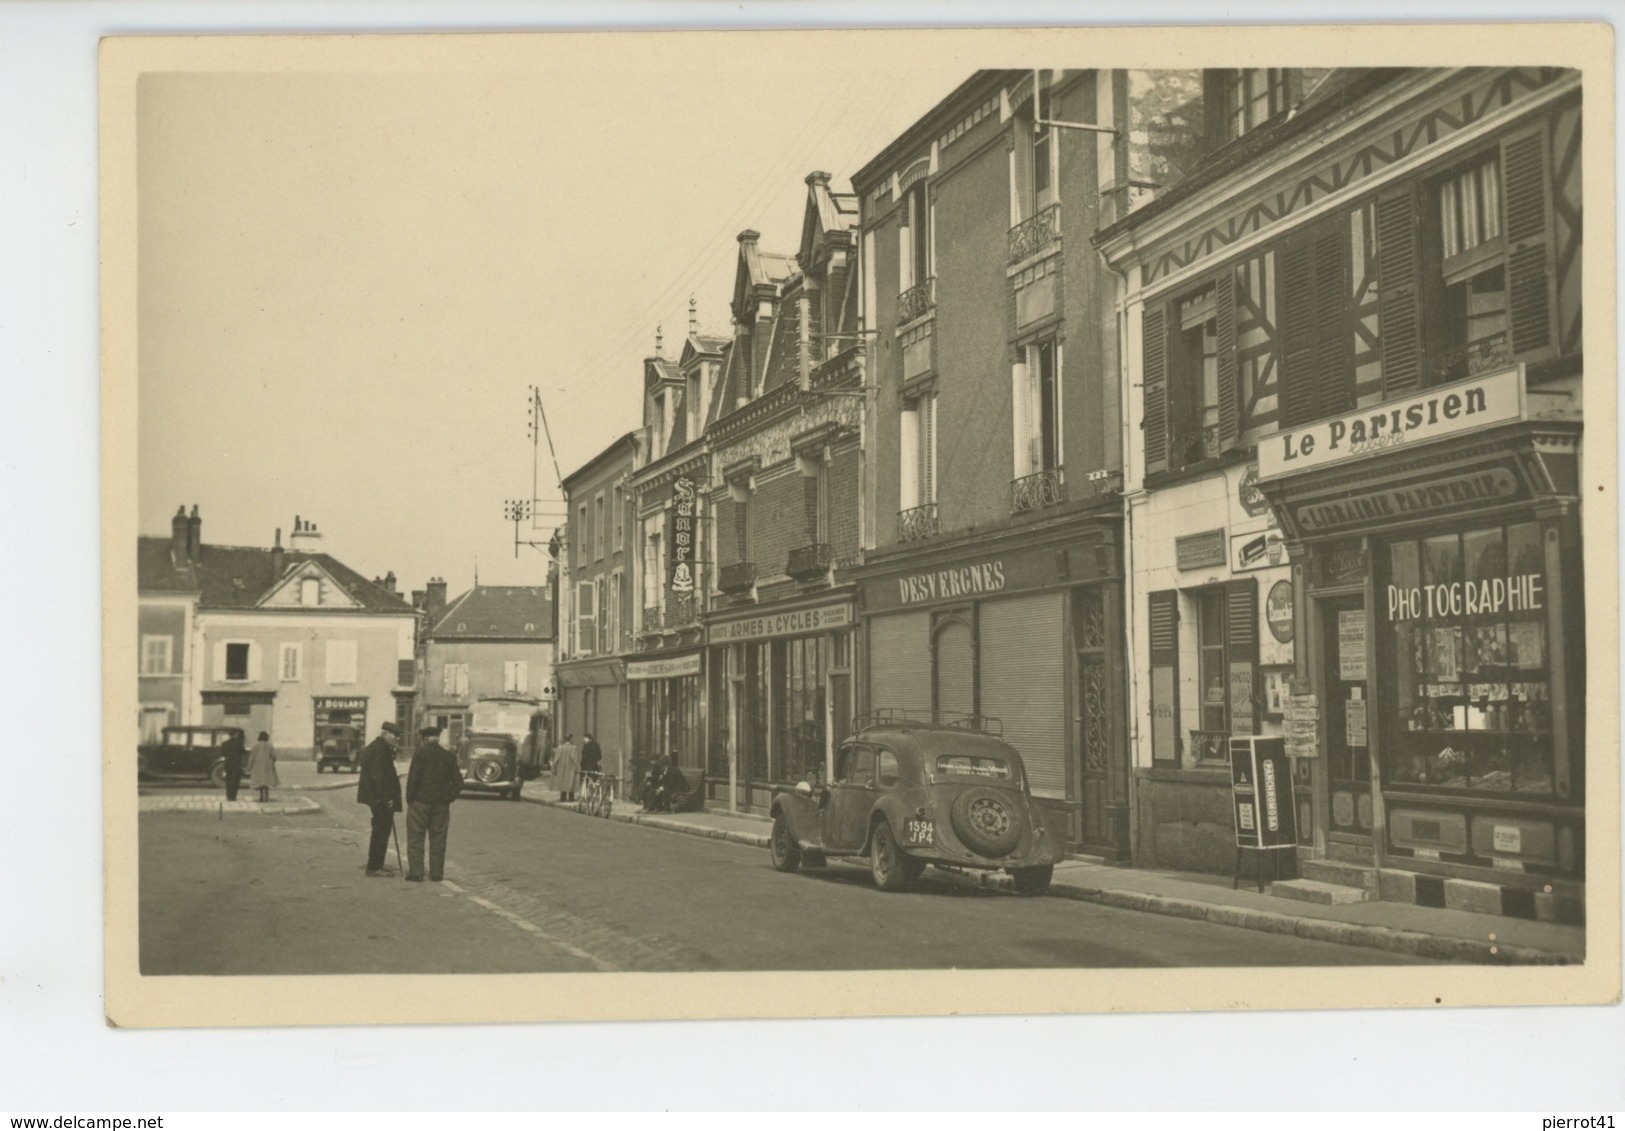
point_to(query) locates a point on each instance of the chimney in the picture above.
(417, 598)
(389, 584)
(194, 536)
(693, 317)
(177, 537)
(818, 177)
(305, 538)
(435, 599)
(279, 556)
(660, 341)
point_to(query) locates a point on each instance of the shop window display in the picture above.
(1467, 622)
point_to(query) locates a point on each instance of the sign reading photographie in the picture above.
(681, 535)
(1447, 410)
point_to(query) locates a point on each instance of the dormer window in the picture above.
(310, 591)
(1255, 96)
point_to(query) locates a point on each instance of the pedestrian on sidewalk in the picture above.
(566, 768)
(380, 790)
(592, 755)
(262, 767)
(234, 752)
(432, 784)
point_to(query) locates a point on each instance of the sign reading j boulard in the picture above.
(819, 618)
(1447, 410)
(681, 536)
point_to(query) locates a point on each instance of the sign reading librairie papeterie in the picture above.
(1446, 410)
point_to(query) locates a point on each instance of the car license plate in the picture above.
(921, 832)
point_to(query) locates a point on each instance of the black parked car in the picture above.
(186, 752)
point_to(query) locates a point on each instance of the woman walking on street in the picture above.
(262, 767)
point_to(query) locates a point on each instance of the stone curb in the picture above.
(656, 822)
(1417, 944)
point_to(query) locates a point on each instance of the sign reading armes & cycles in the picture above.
(792, 622)
(1446, 410)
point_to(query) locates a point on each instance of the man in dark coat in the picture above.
(380, 790)
(432, 784)
(592, 755)
(235, 752)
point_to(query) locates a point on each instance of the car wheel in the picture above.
(1033, 881)
(217, 775)
(786, 852)
(886, 861)
(986, 822)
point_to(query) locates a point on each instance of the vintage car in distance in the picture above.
(907, 793)
(503, 745)
(338, 747)
(186, 752)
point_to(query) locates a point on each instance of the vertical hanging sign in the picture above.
(680, 536)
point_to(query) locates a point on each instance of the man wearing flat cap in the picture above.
(432, 784)
(380, 790)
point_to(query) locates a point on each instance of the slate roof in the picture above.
(493, 612)
(237, 577)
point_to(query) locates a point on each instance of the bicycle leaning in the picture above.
(596, 794)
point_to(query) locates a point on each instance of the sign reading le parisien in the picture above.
(681, 539)
(1446, 410)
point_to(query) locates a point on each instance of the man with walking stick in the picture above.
(380, 790)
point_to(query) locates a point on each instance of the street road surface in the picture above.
(538, 889)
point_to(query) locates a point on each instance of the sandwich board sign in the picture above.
(1261, 790)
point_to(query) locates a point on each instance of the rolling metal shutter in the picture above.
(956, 680)
(900, 663)
(1024, 683)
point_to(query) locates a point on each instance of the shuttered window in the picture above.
(586, 619)
(1023, 673)
(1164, 640)
(900, 662)
(1398, 297)
(1192, 395)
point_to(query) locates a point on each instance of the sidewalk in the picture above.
(281, 804)
(1405, 928)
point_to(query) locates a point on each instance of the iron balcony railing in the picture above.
(737, 577)
(918, 522)
(1038, 232)
(917, 301)
(1035, 492)
(679, 611)
(809, 562)
(1482, 355)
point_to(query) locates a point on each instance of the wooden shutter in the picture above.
(521, 674)
(928, 449)
(255, 652)
(1526, 198)
(723, 517)
(1241, 651)
(1399, 217)
(1317, 364)
(1297, 314)
(741, 532)
(1164, 637)
(1021, 444)
(1334, 334)
(1224, 310)
(809, 504)
(1154, 330)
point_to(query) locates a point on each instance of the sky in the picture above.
(349, 280)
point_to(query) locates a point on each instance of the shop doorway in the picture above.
(1091, 639)
(1345, 656)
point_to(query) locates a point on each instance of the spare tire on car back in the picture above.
(987, 821)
